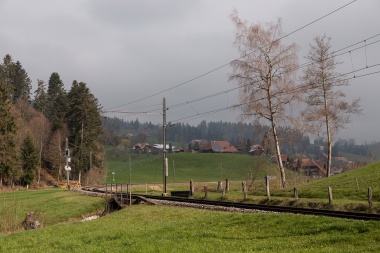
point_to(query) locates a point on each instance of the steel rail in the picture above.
(272, 208)
(261, 207)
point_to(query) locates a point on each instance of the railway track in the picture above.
(248, 206)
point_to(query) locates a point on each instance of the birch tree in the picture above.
(265, 74)
(327, 110)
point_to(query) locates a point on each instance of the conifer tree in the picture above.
(7, 73)
(22, 84)
(84, 124)
(40, 97)
(29, 158)
(57, 103)
(8, 147)
(16, 78)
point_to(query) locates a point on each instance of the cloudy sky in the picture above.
(131, 54)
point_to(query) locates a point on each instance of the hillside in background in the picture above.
(117, 132)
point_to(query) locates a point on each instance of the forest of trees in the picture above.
(118, 132)
(33, 130)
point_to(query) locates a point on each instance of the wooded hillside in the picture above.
(33, 134)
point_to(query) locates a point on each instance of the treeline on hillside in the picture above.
(127, 133)
(33, 135)
(117, 130)
(350, 146)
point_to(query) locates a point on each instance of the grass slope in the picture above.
(171, 229)
(51, 206)
(351, 185)
(186, 166)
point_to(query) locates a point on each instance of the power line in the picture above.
(299, 67)
(199, 115)
(226, 64)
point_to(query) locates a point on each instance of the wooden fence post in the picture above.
(357, 183)
(121, 192)
(295, 193)
(370, 202)
(205, 189)
(267, 187)
(227, 185)
(220, 186)
(330, 195)
(244, 185)
(223, 192)
(191, 188)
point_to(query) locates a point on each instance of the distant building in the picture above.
(256, 150)
(202, 146)
(142, 148)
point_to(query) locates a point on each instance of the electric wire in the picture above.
(226, 64)
(193, 117)
(303, 65)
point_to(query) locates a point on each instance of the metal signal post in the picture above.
(67, 167)
(165, 168)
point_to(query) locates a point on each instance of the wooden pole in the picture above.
(227, 184)
(357, 183)
(205, 189)
(191, 188)
(267, 187)
(330, 195)
(295, 193)
(244, 185)
(370, 202)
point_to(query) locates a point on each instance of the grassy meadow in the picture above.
(145, 228)
(50, 206)
(185, 166)
(349, 188)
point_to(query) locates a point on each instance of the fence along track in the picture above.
(268, 208)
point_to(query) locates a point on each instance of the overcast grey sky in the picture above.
(129, 50)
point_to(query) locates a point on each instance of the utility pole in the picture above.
(165, 169)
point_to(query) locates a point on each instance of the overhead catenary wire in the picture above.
(199, 115)
(235, 88)
(226, 64)
(301, 66)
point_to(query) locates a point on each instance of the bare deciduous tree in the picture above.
(265, 74)
(327, 112)
(40, 128)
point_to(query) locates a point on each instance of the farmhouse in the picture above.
(212, 147)
(142, 148)
(312, 168)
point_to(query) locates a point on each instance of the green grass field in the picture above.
(186, 166)
(51, 206)
(144, 228)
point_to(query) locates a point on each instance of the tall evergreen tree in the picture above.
(40, 97)
(8, 147)
(7, 73)
(84, 124)
(16, 78)
(30, 159)
(57, 103)
(22, 84)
